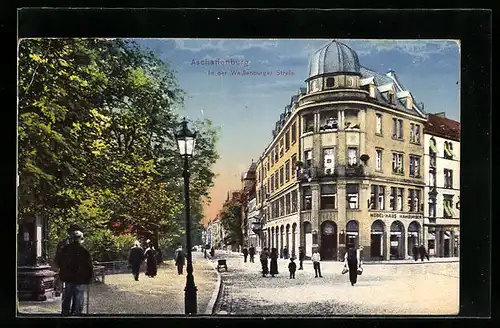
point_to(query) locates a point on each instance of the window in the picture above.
(307, 196)
(394, 127)
(416, 200)
(352, 191)
(294, 165)
(282, 206)
(294, 133)
(308, 158)
(308, 123)
(378, 159)
(294, 201)
(328, 160)
(392, 199)
(412, 132)
(276, 157)
(282, 148)
(411, 200)
(330, 82)
(352, 156)
(448, 150)
(432, 146)
(417, 134)
(287, 204)
(432, 206)
(287, 171)
(272, 157)
(448, 178)
(397, 163)
(400, 131)
(276, 181)
(414, 166)
(287, 140)
(331, 123)
(272, 183)
(432, 177)
(400, 198)
(448, 206)
(268, 165)
(282, 175)
(328, 196)
(379, 123)
(381, 197)
(372, 204)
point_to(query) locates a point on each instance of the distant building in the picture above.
(442, 191)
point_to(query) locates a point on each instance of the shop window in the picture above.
(392, 199)
(352, 191)
(328, 196)
(294, 201)
(307, 198)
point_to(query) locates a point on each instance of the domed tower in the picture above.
(333, 66)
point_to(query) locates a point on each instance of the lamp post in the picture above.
(186, 142)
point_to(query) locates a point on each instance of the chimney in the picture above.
(441, 114)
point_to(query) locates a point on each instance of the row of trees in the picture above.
(96, 140)
(231, 217)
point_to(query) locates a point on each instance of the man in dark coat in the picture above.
(423, 253)
(352, 261)
(302, 256)
(251, 252)
(415, 252)
(274, 262)
(180, 261)
(285, 253)
(292, 267)
(76, 271)
(263, 261)
(135, 259)
(245, 253)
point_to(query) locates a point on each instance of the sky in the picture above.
(246, 107)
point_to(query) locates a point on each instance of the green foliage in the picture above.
(96, 125)
(230, 216)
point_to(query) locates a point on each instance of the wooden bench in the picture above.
(221, 264)
(99, 274)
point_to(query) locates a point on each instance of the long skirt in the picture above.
(274, 267)
(353, 271)
(151, 269)
(265, 269)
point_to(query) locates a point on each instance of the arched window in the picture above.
(330, 82)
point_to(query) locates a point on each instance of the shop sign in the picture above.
(398, 216)
(394, 243)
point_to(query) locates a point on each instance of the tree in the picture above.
(230, 216)
(96, 125)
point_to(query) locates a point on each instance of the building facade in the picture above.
(345, 163)
(442, 191)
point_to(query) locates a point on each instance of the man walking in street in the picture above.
(423, 253)
(251, 252)
(245, 253)
(302, 256)
(415, 252)
(76, 271)
(135, 259)
(316, 264)
(180, 261)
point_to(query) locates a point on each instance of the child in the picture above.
(292, 267)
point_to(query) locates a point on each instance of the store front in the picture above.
(413, 236)
(308, 238)
(397, 241)
(377, 240)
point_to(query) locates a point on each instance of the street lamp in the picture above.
(186, 142)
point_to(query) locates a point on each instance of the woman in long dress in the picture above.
(150, 255)
(274, 262)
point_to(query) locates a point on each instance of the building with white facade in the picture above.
(442, 191)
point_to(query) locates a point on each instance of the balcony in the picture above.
(352, 170)
(307, 174)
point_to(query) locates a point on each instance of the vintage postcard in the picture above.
(229, 177)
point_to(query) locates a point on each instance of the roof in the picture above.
(443, 127)
(332, 58)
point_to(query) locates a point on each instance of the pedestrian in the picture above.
(316, 263)
(150, 255)
(302, 256)
(292, 267)
(76, 271)
(135, 259)
(212, 252)
(285, 253)
(251, 252)
(245, 253)
(415, 252)
(263, 261)
(274, 262)
(58, 284)
(423, 253)
(352, 261)
(180, 261)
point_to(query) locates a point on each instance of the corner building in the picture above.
(345, 163)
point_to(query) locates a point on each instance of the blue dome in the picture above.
(335, 57)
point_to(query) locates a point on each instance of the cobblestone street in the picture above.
(121, 294)
(398, 289)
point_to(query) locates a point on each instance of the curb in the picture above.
(216, 294)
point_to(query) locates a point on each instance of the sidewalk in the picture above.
(121, 294)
